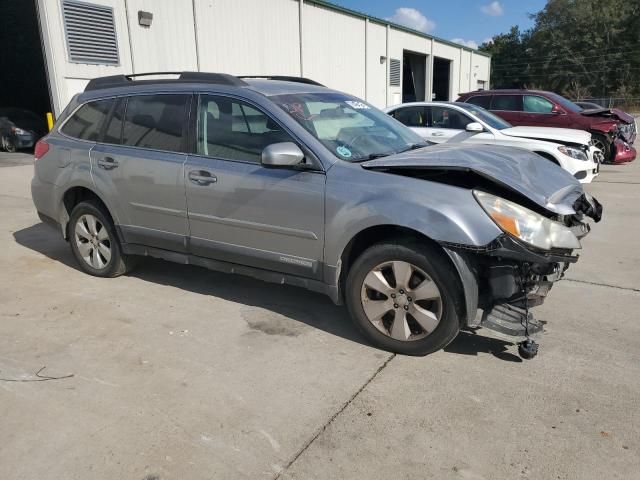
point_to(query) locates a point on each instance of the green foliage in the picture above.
(577, 47)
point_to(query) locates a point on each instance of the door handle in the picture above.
(437, 134)
(107, 163)
(202, 177)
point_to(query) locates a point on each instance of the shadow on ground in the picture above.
(285, 302)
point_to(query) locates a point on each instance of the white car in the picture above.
(453, 122)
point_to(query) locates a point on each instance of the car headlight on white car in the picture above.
(527, 225)
(573, 152)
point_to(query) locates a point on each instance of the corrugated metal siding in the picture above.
(245, 37)
(169, 43)
(333, 46)
(90, 33)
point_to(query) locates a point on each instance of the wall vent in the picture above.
(90, 32)
(394, 72)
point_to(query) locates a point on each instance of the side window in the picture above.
(155, 121)
(509, 103)
(443, 117)
(411, 116)
(535, 104)
(233, 130)
(113, 131)
(86, 123)
(481, 101)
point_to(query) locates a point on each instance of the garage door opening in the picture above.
(414, 68)
(441, 78)
(23, 80)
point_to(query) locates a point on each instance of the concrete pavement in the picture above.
(179, 372)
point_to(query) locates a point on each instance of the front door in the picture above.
(140, 165)
(242, 212)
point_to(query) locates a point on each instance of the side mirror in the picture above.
(284, 154)
(474, 127)
(557, 110)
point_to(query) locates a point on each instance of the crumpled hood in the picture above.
(609, 113)
(559, 135)
(521, 171)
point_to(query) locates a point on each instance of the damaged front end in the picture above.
(540, 209)
(513, 275)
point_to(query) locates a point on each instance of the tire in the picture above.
(95, 245)
(602, 142)
(427, 263)
(8, 145)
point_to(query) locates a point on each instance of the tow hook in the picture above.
(528, 348)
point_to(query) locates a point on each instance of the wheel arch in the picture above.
(372, 235)
(72, 197)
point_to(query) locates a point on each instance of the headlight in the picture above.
(573, 153)
(526, 225)
(19, 131)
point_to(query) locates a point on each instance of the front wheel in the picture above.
(404, 297)
(602, 143)
(94, 242)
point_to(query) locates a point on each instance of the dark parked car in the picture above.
(20, 129)
(613, 131)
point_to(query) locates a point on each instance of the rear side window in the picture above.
(511, 103)
(411, 116)
(481, 100)
(155, 121)
(232, 130)
(535, 104)
(113, 131)
(88, 120)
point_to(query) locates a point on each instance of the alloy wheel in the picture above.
(8, 145)
(401, 301)
(93, 241)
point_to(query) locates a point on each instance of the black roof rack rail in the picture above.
(183, 77)
(285, 78)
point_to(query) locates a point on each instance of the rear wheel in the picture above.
(94, 242)
(602, 143)
(404, 297)
(7, 144)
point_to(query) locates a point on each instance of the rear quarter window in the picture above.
(87, 121)
(480, 100)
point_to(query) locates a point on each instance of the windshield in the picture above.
(566, 104)
(487, 117)
(350, 128)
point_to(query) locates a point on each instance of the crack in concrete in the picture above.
(309, 442)
(630, 289)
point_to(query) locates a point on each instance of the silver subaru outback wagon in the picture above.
(288, 181)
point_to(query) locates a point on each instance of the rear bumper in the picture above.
(624, 152)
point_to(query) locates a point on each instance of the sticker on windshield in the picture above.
(343, 151)
(357, 105)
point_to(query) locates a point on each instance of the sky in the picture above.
(469, 22)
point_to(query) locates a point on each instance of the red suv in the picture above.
(612, 130)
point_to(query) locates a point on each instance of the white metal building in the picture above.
(371, 58)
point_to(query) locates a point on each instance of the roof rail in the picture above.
(183, 77)
(285, 78)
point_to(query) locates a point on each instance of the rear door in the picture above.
(508, 107)
(139, 165)
(242, 212)
(414, 117)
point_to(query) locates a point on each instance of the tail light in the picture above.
(41, 149)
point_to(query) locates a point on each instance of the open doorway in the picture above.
(441, 78)
(414, 68)
(23, 80)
